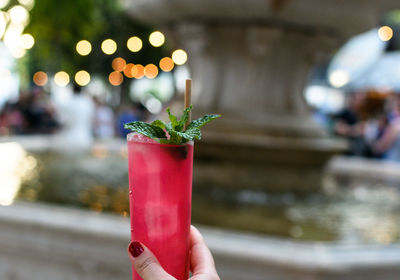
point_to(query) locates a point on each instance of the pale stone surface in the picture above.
(42, 242)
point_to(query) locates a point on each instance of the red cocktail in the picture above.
(160, 193)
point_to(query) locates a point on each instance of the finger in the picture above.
(145, 263)
(201, 259)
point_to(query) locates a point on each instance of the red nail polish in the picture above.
(135, 248)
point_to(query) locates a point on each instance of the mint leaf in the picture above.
(146, 129)
(176, 124)
(202, 121)
(172, 132)
(159, 123)
(174, 137)
(191, 134)
(185, 117)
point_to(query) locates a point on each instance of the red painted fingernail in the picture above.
(135, 248)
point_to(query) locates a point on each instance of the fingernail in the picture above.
(135, 248)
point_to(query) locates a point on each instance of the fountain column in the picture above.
(250, 61)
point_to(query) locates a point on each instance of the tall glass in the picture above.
(160, 195)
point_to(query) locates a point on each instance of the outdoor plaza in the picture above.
(298, 179)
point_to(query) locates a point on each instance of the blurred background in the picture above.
(303, 168)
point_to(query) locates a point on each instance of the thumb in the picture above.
(145, 263)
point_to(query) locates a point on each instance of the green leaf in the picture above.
(159, 123)
(185, 117)
(174, 137)
(202, 121)
(172, 118)
(191, 134)
(146, 129)
(174, 129)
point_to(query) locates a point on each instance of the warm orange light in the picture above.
(166, 64)
(40, 78)
(118, 64)
(115, 78)
(128, 70)
(138, 71)
(385, 33)
(151, 71)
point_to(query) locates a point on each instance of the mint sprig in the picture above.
(173, 132)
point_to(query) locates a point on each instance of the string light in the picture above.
(109, 46)
(156, 39)
(166, 64)
(385, 33)
(128, 70)
(138, 71)
(61, 78)
(151, 71)
(179, 57)
(84, 47)
(27, 41)
(339, 78)
(40, 78)
(134, 44)
(19, 14)
(82, 78)
(115, 78)
(118, 64)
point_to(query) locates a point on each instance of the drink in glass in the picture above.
(160, 195)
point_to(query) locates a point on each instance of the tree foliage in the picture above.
(58, 25)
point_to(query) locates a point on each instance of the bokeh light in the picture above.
(27, 41)
(27, 3)
(385, 33)
(134, 44)
(18, 52)
(115, 78)
(109, 46)
(40, 78)
(179, 57)
(150, 71)
(156, 39)
(12, 37)
(61, 78)
(128, 70)
(82, 78)
(118, 64)
(18, 14)
(3, 3)
(138, 71)
(3, 23)
(339, 78)
(84, 47)
(166, 64)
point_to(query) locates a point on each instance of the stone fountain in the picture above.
(250, 61)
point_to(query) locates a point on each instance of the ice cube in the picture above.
(137, 137)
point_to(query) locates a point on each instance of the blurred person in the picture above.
(103, 120)
(38, 111)
(11, 120)
(202, 263)
(388, 145)
(127, 114)
(77, 121)
(348, 123)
